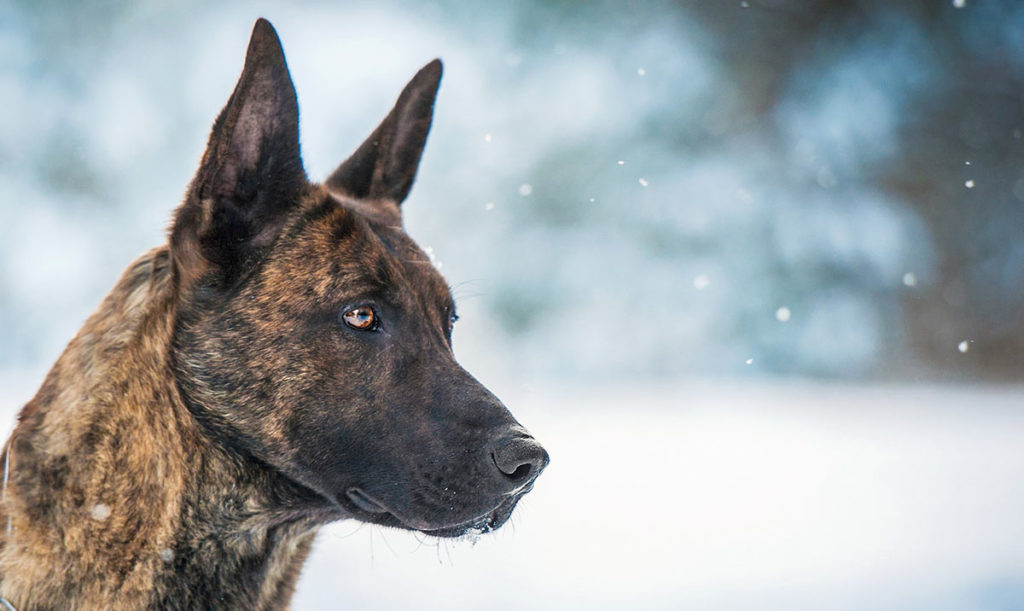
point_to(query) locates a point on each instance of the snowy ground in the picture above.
(726, 496)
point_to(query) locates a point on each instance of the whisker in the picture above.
(384, 538)
(372, 557)
(359, 527)
(459, 291)
(420, 540)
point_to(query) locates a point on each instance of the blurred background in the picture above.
(753, 270)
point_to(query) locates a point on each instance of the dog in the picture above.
(284, 361)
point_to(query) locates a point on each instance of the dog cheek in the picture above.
(330, 445)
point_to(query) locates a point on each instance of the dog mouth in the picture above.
(364, 501)
(375, 511)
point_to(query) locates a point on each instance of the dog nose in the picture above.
(519, 459)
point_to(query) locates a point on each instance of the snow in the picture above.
(909, 279)
(782, 314)
(100, 511)
(969, 184)
(525, 189)
(964, 346)
(727, 496)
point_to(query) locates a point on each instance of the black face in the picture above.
(419, 443)
(315, 336)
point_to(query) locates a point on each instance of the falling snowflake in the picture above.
(433, 258)
(643, 182)
(701, 282)
(641, 71)
(525, 189)
(487, 137)
(959, 3)
(750, 361)
(964, 346)
(969, 184)
(621, 162)
(782, 314)
(909, 279)
(100, 511)
(489, 206)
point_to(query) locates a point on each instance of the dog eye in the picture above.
(362, 318)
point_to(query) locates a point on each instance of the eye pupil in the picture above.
(361, 317)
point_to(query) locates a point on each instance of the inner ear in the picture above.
(384, 166)
(251, 174)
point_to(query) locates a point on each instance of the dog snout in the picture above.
(518, 460)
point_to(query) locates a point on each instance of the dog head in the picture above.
(313, 335)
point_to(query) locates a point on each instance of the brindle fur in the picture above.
(215, 411)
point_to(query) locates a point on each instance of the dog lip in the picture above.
(486, 522)
(523, 490)
(365, 501)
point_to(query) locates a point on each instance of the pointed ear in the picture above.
(251, 174)
(384, 166)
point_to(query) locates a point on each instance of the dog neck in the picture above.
(114, 495)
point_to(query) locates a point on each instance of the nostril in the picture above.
(514, 473)
(520, 473)
(519, 459)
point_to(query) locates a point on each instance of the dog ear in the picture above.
(384, 166)
(251, 174)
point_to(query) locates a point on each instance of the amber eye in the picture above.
(361, 317)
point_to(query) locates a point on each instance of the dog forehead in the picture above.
(373, 242)
(407, 260)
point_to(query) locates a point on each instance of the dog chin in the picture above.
(485, 524)
(370, 510)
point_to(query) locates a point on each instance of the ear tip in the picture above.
(263, 27)
(264, 37)
(432, 70)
